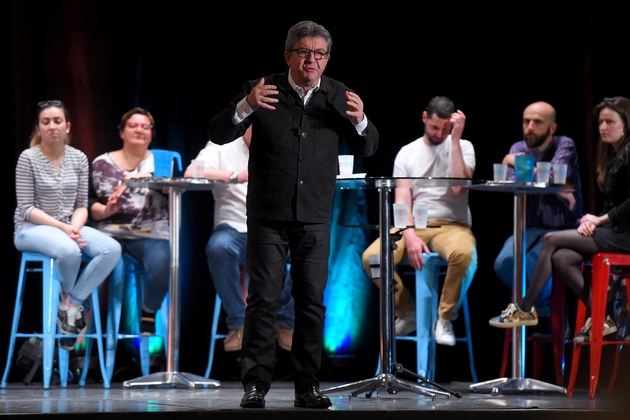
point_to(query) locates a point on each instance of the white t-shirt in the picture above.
(416, 159)
(229, 200)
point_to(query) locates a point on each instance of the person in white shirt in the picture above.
(440, 152)
(226, 248)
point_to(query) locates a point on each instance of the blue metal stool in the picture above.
(214, 333)
(163, 161)
(427, 298)
(50, 300)
(127, 266)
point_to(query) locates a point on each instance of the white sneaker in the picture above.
(406, 323)
(443, 330)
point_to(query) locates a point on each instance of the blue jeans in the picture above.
(155, 257)
(101, 253)
(226, 249)
(504, 266)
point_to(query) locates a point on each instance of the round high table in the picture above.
(520, 190)
(386, 379)
(175, 188)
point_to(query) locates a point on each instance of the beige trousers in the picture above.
(456, 244)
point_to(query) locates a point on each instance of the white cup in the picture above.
(500, 171)
(560, 173)
(375, 266)
(197, 168)
(400, 215)
(420, 212)
(346, 165)
(542, 175)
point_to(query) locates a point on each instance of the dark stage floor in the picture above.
(181, 403)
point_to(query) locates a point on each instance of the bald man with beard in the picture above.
(545, 212)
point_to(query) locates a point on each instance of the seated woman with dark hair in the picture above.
(136, 217)
(51, 185)
(608, 232)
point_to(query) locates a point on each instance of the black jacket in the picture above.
(294, 149)
(617, 193)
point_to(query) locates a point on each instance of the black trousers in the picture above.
(267, 246)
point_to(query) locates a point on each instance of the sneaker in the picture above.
(585, 333)
(512, 317)
(406, 323)
(70, 319)
(147, 323)
(234, 340)
(443, 331)
(285, 337)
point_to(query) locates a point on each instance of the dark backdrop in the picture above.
(185, 60)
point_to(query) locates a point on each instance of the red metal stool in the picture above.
(557, 340)
(601, 264)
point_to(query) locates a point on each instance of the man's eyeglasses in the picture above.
(145, 127)
(305, 53)
(46, 104)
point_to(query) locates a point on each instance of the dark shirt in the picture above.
(547, 211)
(616, 192)
(294, 149)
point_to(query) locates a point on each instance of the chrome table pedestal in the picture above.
(386, 378)
(518, 382)
(173, 377)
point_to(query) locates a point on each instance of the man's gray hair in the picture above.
(307, 28)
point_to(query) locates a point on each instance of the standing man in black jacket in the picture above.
(298, 120)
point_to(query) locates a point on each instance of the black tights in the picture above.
(562, 251)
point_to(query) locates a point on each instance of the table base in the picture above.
(388, 382)
(188, 380)
(514, 385)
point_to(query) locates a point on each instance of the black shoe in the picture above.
(254, 397)
(312, 398)
(147, 323)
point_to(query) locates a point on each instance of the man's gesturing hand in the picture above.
(261, 96)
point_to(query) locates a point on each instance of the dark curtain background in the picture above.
(185, 60)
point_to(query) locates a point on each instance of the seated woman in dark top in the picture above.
(608, 232)
(136, 217)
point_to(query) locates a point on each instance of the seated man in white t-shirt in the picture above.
(226, 248)
(436, 154)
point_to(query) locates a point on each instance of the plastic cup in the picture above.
(542, 175)
(500, 171)
(375, 266)
(420, 213)
(197, 168)
(346, 165)
(524, 168)
(400, 215)
(560, 173)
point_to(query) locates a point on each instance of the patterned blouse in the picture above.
(37, 184)
(144, 212)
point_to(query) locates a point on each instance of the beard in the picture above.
(534, 141)
(433, 139)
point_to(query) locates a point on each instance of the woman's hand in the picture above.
(74, 234)
(595, 220)
(586, 228)
(117, 193)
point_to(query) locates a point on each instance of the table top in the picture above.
(188, 184)
(379, 182)
(522, 187)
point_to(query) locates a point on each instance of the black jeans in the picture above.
(267, 245)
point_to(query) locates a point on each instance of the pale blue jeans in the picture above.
(101, 254)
